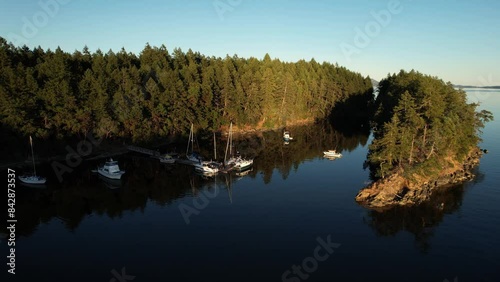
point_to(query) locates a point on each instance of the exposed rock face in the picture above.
(396, 190)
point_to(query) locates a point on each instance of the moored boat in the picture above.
(193, 157)
(240, 164)
(235, 162)
(287, 136)
(167, 159)
(110, 169)
(32, 178)
(332, 154)
(207, 167)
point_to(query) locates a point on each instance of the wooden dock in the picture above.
(145, 151)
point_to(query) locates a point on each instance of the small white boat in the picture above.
(207, 167)
(167, 159)
(286, 136)
(332, 154)
(243, 164)
(32, 178)
(110, 170)
(239, 163)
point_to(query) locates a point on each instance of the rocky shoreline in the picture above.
(396, 190)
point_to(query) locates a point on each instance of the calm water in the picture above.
(256, 227)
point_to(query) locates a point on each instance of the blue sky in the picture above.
(458, 41)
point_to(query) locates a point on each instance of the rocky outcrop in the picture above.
(396, 190)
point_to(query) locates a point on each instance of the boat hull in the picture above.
(110, 182)
(207, 167)
(31, 179)
(116, 175)
(332, 155)
(167, 160)
(244, 165)
(205, 170)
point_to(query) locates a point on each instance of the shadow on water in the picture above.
(421, 220)
(354, 113)
(82, 193)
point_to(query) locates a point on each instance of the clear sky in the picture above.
(459, 40)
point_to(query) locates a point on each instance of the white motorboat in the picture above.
(110, 170)
(207, 167)
(286, 136)
(32, 178)
(239, 163)
(332, 154)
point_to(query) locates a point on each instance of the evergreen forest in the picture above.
(421, 124)
(56, 94)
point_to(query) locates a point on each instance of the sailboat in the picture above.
(210, 167)
(194, 157)
(236, 162)
(32, 178)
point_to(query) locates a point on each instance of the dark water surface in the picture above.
(165, 223)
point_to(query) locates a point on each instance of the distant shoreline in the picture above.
(482, 87)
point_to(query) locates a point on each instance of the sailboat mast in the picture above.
(227, 145)
(192, 138)
(32, 155)
(231, 136)
(215, 148)
(187, 147)
(189, 139)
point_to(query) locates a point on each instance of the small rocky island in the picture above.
(426, 137)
